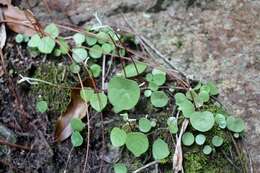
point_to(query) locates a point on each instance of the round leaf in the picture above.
(234, 124)
(200, 139)
(120, 168)
(202, 121)
(107, 48)
(74, 68)
(98, 101)
(117, 137)
(134, 69)
(187, 108)
(217, 141)
(76, 139)
(52, 30)
(102, 37)
(19, 38)
(159, 99)
(86, 94)
(179, 98)
(187, 138)
(159, 79)
(79, 38)
(204, 96)
(91, 40)
(123, 93)
(46, 45)
(95, 51)
(160, 149)
(41, 106)
(77, 124)
(207, 149)
(34, 41)
(79, 54)
(147, 93)
(144, 125)
(221, 120)
(137, 143)
(172, 125)
(95, 70)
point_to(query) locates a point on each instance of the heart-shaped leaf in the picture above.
(123, 93)
(137, 143)
(202, 121)
(160, 149)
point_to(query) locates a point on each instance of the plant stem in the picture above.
(146, 166)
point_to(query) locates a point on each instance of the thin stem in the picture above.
(145, 166)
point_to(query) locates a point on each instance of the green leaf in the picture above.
(123, 93)
(79, 54)
(172, 125)
(149, 77)
(200, 139)
(120, 168)
(147, 93)
(159, 99)
(74, 68)
(179, 98)
(134, 69)
(79, 38)
(157, 71)
(234, 124)
(213, 88)
(34, 41)
(159, 79)
(77, 124)
(102, 37)
(95, 51)
(57, 52)
(144, 125)
(187, 139)
(26, 38)
(41, 106)
(107, 48)
(207, 149)
(86, 94)
(52, 30)
(221, 120)
(137, 143)
(217, 141)
(187, 108)
(19, 38)
(63, 46)
(202, 121)
(117, 137)
(76, 139)
(191, 94)
(91, 40)
(203, 95)
(95, 70)
(98, 101)
(46, 45)
(153, 86)
(160, 149)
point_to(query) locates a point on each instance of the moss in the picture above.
(196, 162)
(57, 97)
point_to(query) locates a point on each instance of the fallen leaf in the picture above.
(77, 108)
(2, 33)
(18, 20)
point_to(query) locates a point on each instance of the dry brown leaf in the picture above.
(18, 20)
(77, 108)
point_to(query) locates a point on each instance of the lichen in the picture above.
(57, 97)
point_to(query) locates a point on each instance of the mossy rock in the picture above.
(56, 97)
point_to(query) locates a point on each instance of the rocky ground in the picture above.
(216, 40)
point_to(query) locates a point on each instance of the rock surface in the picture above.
(211, 40)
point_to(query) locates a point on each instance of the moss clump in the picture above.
(57, 97)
